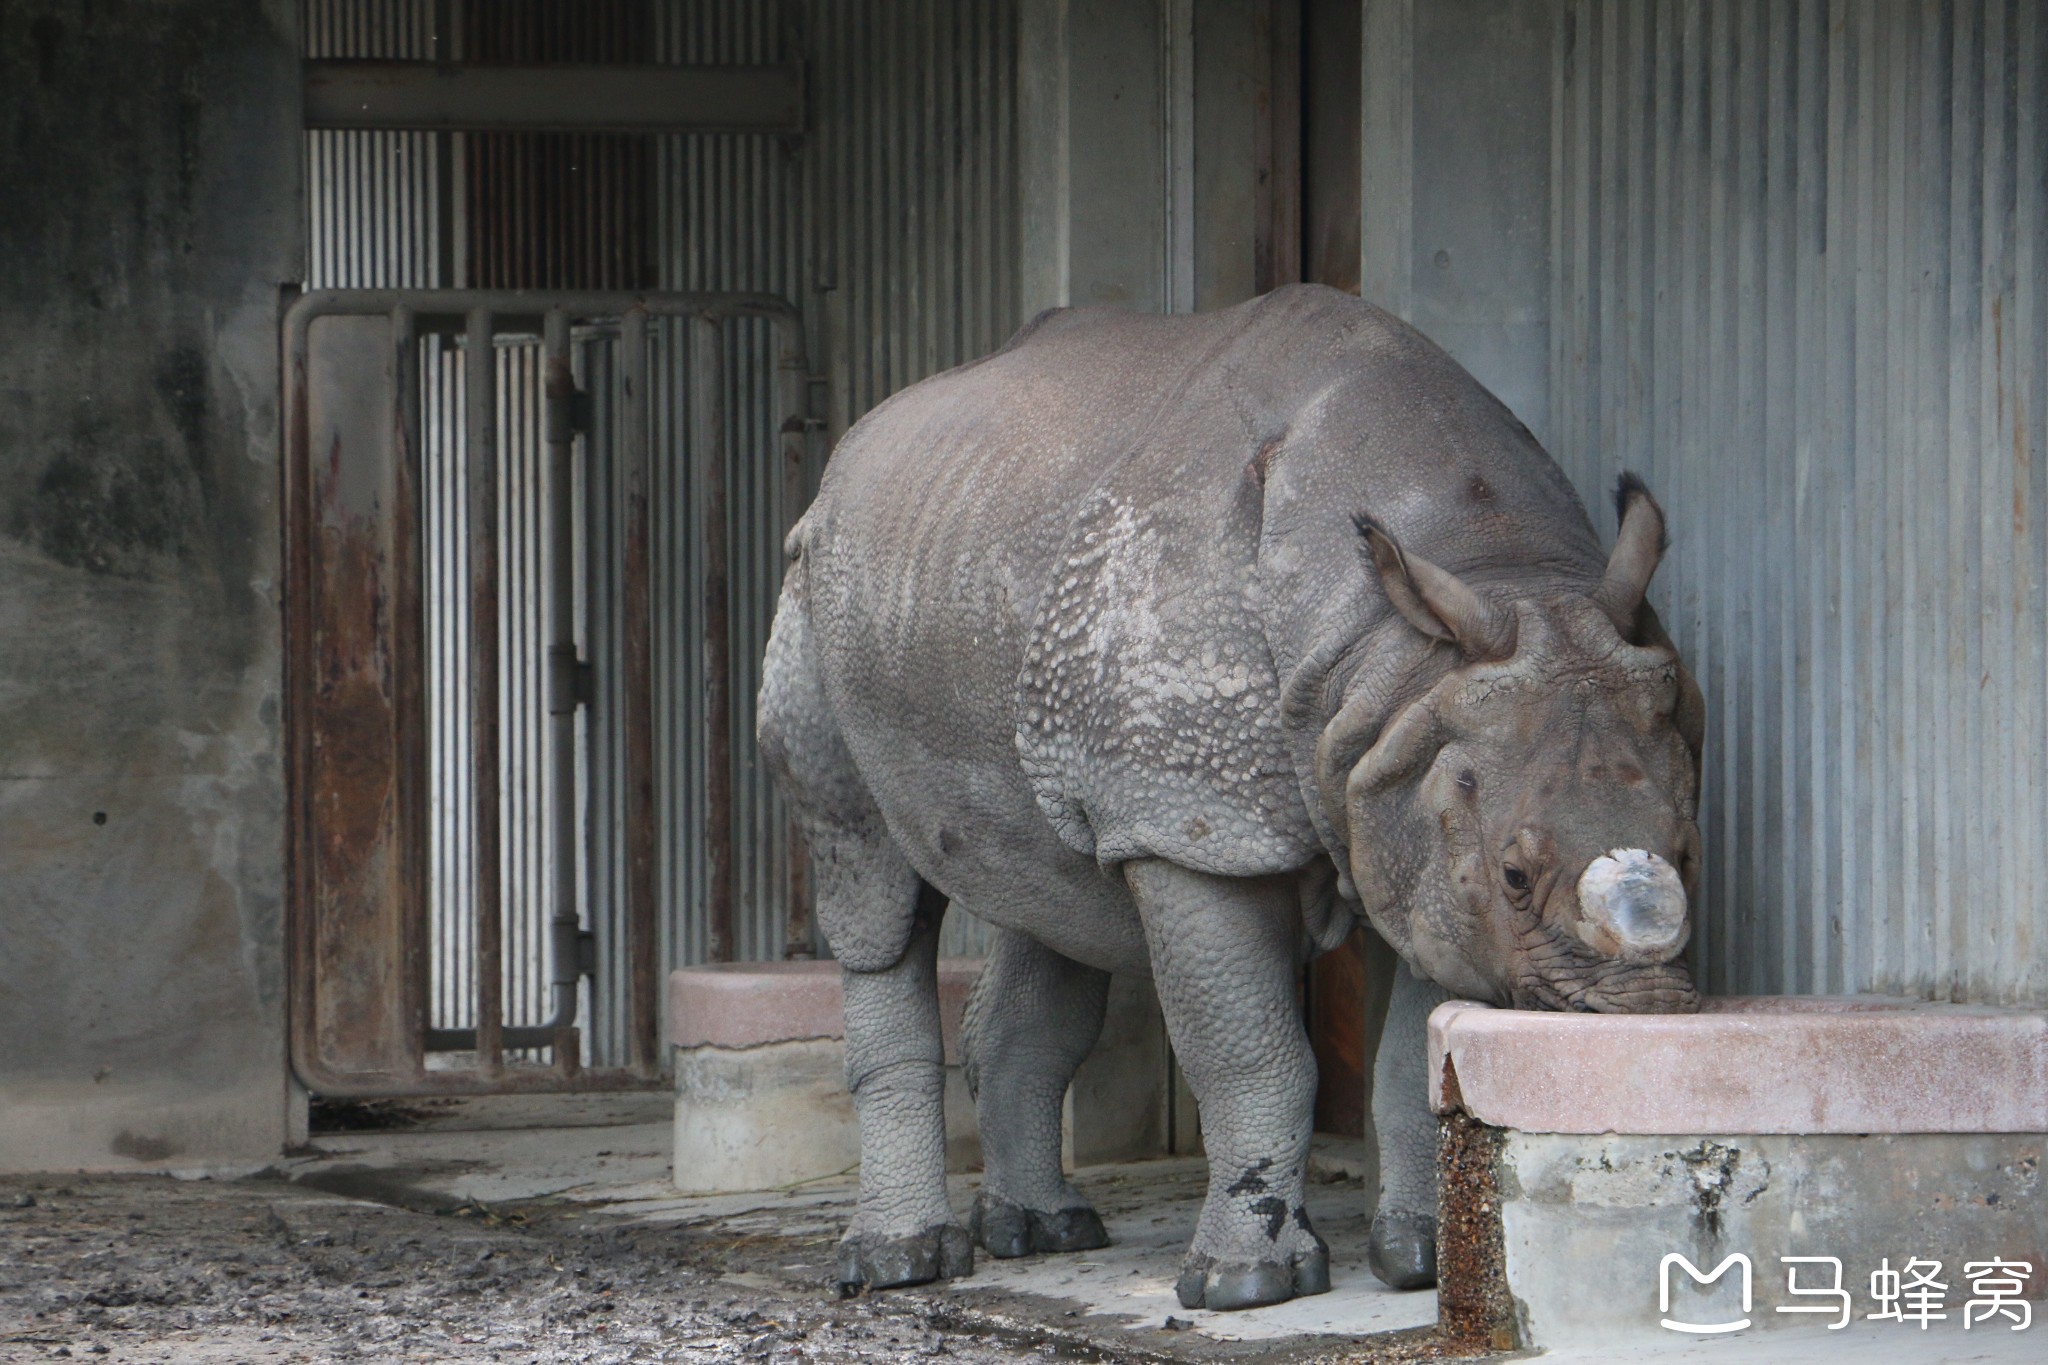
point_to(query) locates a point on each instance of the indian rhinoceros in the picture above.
(1164, 645)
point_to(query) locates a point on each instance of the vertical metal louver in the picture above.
(1799, 282)
(377, 203)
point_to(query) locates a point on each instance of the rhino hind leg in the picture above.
(883, 924)
(903, 1230)
(1032, 1017)
(1224, 954)
(1402, 1250)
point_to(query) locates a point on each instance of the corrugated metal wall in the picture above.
(893, 223)
(376, 202)
(1798, 282)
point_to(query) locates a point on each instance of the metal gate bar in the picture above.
(336, 1052)
(707, 423)
(481, 431)
(638, 708)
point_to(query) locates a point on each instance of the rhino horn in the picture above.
(1437, 602)
(1632, 906)
(1637, 549)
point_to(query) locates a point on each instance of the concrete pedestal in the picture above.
(761, 1098)
(1831, 1140)
(760, 1058)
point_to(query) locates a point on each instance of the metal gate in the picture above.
(486, 498)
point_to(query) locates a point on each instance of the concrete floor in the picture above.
(1118, 1300)
(492, 1242)
(1112, 1304)
(1860, 1343)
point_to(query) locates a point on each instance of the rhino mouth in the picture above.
(1605, 986)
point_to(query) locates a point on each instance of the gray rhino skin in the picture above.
(1164, 644)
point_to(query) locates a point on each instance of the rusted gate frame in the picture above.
(479, 314)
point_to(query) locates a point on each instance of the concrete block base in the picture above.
(1587, 1220)
(1765, 1164)
(761, 1099)
(779, 1114)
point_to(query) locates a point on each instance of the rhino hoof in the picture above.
(940, 1252)
(1224, 1287)
(1005, 1229)
(1402, 1251)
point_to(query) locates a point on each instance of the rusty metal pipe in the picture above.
(409, 681)
(481, 431)
(637, 704)
(801, 424)
(707, 456)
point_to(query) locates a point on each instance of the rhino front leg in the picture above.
(903, 1231)
(1403, 1247)
(1224, 956)
(1032, 1018)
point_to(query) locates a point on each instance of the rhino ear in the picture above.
(1637, 549)
(1435, 601)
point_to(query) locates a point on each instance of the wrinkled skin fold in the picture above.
(1173, 646)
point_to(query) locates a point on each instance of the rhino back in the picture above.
(1059, 594)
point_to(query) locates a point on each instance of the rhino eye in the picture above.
(1468, 780)
(1517, 879)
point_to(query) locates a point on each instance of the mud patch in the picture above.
(153, 1269)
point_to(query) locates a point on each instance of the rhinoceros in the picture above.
(1168, 645)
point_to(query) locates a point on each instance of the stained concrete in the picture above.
(1588, 1221)
(1118, 1302)
(150, 157)
(760, 1076)
(1873, 1131)
(1874, 1343)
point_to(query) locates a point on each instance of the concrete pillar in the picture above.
(152, 214)
(1457, 184)
(1138, 167)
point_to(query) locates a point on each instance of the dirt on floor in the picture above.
(154, 1269)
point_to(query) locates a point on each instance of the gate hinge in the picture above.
(571, 681)
(569, 414)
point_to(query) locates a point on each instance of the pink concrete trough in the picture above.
(1749, 1064)
(748, 1004)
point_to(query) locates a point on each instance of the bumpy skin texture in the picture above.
(1170, 645)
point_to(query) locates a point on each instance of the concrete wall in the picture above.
(149, 154)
